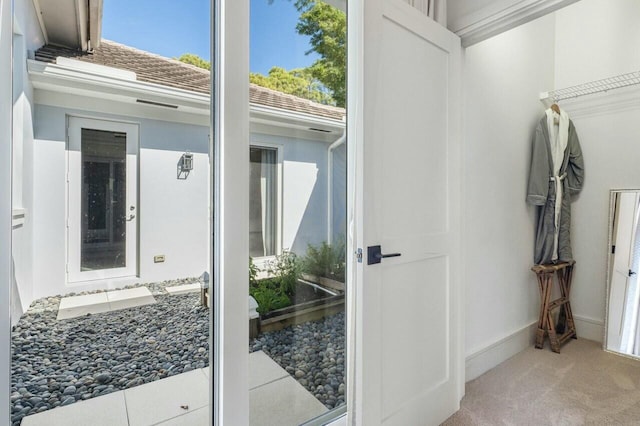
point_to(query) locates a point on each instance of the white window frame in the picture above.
(261, 262)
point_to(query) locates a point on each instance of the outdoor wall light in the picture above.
(185, 165)
(187, 162)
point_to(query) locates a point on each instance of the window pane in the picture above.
(297, 213)
(103, 201)
(263, 207)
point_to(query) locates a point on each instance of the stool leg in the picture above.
(544, 281)
(565, 288)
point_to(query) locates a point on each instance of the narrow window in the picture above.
(263, 196)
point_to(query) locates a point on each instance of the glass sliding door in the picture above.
(297, 213)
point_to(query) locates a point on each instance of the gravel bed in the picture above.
(313, 353)
(57, 363)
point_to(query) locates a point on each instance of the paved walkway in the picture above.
(275, 399)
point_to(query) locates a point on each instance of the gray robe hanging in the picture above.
(542, 192)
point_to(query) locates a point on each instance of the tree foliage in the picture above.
(298, 82)
(190, 58)
(325, 80)
(327, 28)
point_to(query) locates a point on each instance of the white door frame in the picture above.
(74, 198)
(6, 163)
(230, 213)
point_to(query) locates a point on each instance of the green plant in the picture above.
(253, 273)
(269, 296)
(285, 269)
(326, 260)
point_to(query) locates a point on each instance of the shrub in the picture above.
(285, 269)
(326, 260)
(268, 296)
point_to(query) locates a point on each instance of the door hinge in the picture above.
(359, 255)
(613, 249)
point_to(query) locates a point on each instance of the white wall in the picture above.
(27, 37)
(588, 40)
(598, 39)
(5, 206)
(172, 213)
(304, 190)
(503, 78)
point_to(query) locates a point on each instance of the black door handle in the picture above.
(631, 272)
(374, 255)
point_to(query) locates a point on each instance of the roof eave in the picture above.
(74, 80)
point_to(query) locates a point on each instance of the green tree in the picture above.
(298, 82)
(327, 28)
(190, 58)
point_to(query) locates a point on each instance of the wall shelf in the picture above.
(598, 86)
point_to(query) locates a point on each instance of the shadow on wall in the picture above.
(313, 225)
(16, 302)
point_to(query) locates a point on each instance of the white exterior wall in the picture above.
(172, 213)
(588, 40)
(27, 37)
(304, 189)
(5, 207)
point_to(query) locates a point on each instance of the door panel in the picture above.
(410, 322)
(421, 132)
(102, 199)
(419, 301)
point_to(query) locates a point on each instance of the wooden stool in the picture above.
(566, 328)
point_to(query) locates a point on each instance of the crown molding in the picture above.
(503, 16)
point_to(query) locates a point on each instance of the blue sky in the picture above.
(171, 28)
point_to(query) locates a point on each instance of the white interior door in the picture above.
(102, 196)
(625, 226)
(409, 352)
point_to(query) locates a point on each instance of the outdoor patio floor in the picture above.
(275, 399)
(150, 352)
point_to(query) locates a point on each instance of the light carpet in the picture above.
(583, 385)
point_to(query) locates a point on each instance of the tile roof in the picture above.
(152, 68)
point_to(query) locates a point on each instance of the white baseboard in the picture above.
(496, 353)
(589, 328)
(483, 360)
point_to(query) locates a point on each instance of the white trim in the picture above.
(230, 218)
(589, 328)
(67, 79)
(260, 112)
(36, 5)
(18, 217)
(488, 22)
(94, 81)
(6, 174)
(482, 360)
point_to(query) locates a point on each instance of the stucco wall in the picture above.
(172, 213)
(304, 189)
(27, 37)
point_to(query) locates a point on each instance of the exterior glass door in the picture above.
(102, 199)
